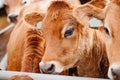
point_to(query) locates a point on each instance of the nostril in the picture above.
(51, 67)
(114, 73)
(13, 18)
(47, 67)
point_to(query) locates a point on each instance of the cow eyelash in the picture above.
(106, 30)
(69, 32)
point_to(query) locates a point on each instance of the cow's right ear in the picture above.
(84, 13)
(33, 18)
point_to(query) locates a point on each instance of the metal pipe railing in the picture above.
(4, 75)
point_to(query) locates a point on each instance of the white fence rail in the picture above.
(4, 75)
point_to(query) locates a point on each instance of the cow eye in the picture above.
(24, 2)
(106, 30)
(69, 32)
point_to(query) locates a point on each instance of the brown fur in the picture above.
(33, 52)
(110, 16)
(116, 2)
(18, 39)
(85, 48)
(98, 3)
(114, 27)
(112, 20)
(16, 54)
(12, 6)
(30, 18)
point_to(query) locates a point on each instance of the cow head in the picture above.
(60, 30)
(66, 38)
(13, 8)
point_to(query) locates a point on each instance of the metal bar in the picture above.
(4, 75)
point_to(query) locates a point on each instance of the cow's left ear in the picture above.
(84, 13)
(33, 18)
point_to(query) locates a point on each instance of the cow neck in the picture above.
(92, 51)
(99, 52)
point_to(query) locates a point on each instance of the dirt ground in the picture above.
(3, 22)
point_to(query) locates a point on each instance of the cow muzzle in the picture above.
(50, 67)
(13, 18)
(114, 72)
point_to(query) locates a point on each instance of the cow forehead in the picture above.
(54, 24)
(15, 2)
(57, 17)
(57, 20)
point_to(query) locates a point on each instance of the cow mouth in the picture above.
(48, 72)
(14, 20)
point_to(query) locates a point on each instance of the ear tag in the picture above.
(95, 23)
(39, 24)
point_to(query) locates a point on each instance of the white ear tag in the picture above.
(94, 22)
(39, 24)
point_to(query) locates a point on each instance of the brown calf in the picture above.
(69, 44)
(13, 8)
(27, 47)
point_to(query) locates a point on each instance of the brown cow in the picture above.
(13, 8)
(19, 54)
(111, 18)
(69, 44)
(27, 47)
(5, 33)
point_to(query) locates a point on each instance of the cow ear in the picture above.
(84, 13)
(33, 18)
